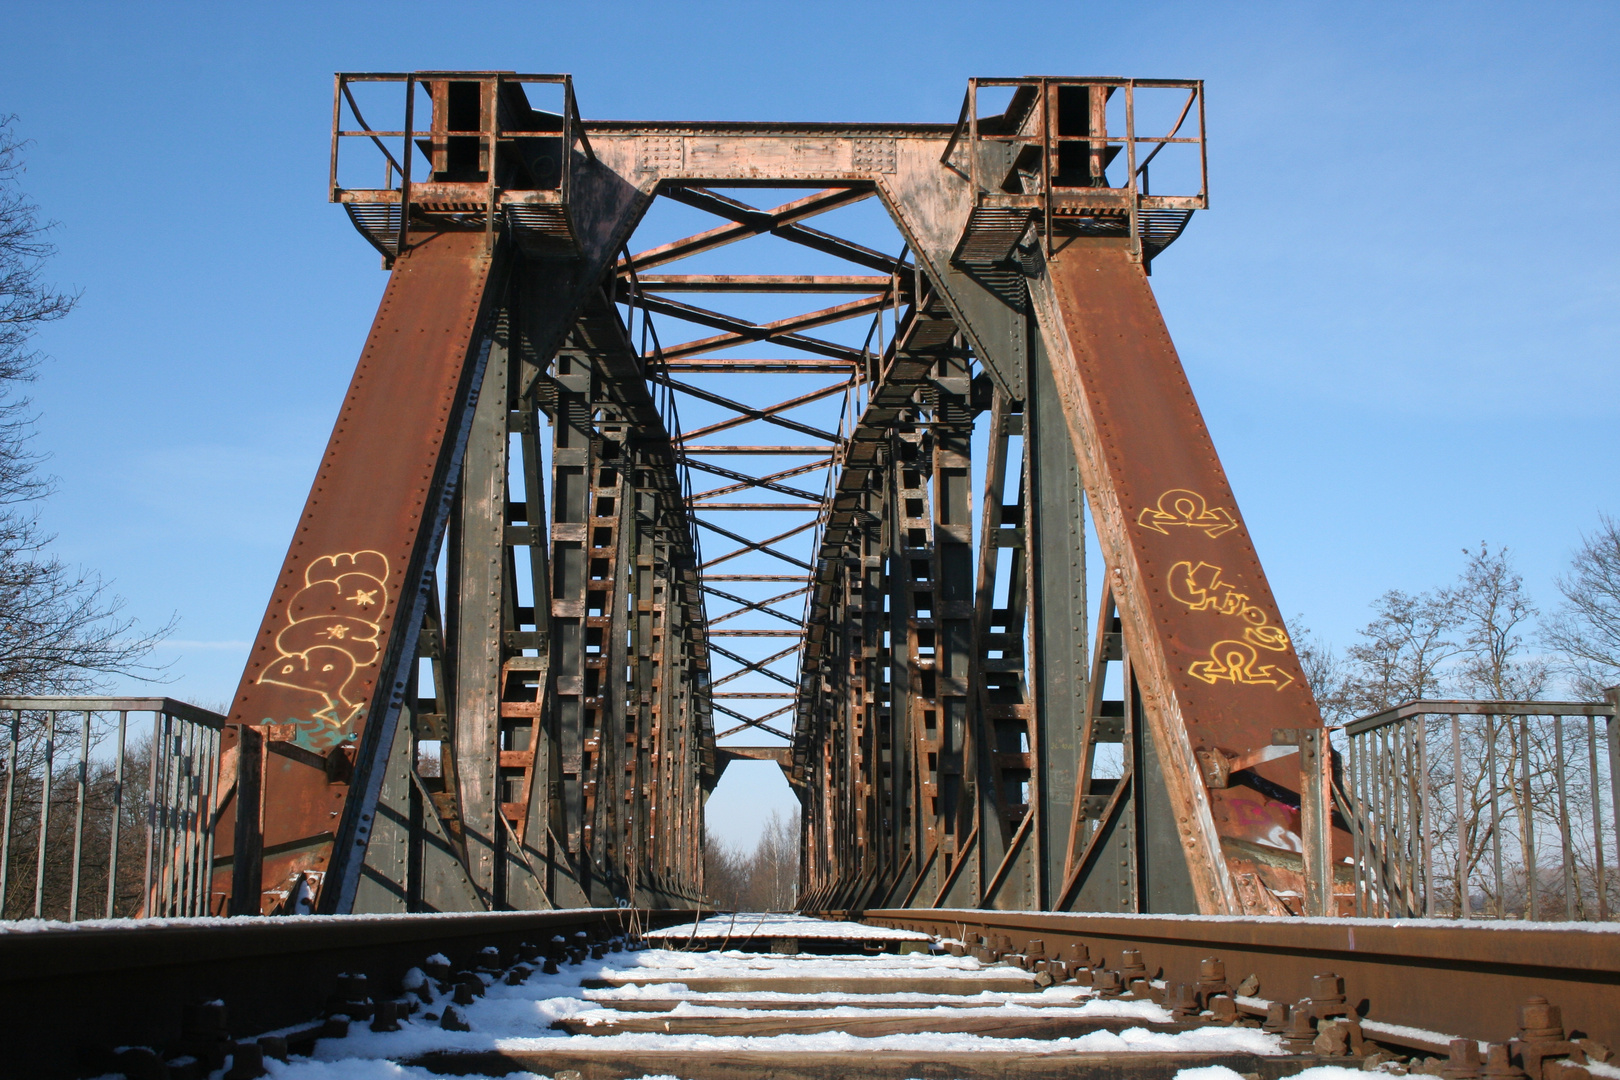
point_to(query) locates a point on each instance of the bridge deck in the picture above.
(1018, 995)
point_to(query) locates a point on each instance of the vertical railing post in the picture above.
(1464, 903)
(1492, 730)
(1203, 151)
(247, 869)
(1048, 106)
(405, 167)
(569, 106)
(493, 134)
(1601, 881)
(78, 820)
(117, 814)
(1137, 249)
(149, 884)
(1567, 852)
(1358, 821)
(1527, 822)
(44, 814)
(1374, 770)
(337, 125)
(1426, 812)
(973, 138)
(1407, 824)
(1612, 696)
(1316, 819)
(11, 798)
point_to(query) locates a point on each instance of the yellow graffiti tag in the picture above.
(1179, 507)
(1200, 588)
(1238, 662)
(332, 632)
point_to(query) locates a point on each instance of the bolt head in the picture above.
(1539, 1020)
(1327, 988)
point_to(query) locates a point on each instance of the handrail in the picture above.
(354, 107)
(1453, 818)
(1168, 139)
(183, 710)
(172, 798)
(1132, 195)
(1423, 707)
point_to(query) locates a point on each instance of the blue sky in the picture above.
(1399, 313)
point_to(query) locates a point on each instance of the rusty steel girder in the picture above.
(1217, 673)
(325, 681)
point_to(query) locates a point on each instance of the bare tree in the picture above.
(1492, 610)
(61, 630)
(765, 879)
(1403, 652)
(1585, 631)
(1329, 675)
(1504, 797)
(725, 872)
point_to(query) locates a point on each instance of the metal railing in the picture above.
(1484, 809)
(105, 817)
(1040, 129)
(399, 190)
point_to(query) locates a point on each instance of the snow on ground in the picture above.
(736, 963)
(518, 1018)
(742, 926)
(1318, 1072)
(669, 991)
(1095, 1008)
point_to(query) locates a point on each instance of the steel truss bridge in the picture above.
(532, 543)
(669, 432)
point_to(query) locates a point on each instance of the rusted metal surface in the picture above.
(1217, 669)
(323, 679)
(81, 993)
(1454, 980)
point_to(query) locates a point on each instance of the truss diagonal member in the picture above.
(768, 481)
(780, 331)
(749, 721)
(771, 659)
(761, 451)
(786, 214)
(762, 221)
(755, 605)
(770, 283)
(752, 721)
(749, 666)
(803, 342)
(719, 320)
(755, 545)
(747, 413)
(726, 734)
(798, 507)
(789, 365)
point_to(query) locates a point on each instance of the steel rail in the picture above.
(1453, 979)
(82, 993)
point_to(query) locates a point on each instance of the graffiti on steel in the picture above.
(1186, 509)
(1199, 587)
(333, 627)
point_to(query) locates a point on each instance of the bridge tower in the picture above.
(489, 672)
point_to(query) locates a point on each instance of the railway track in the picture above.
(602, 995)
